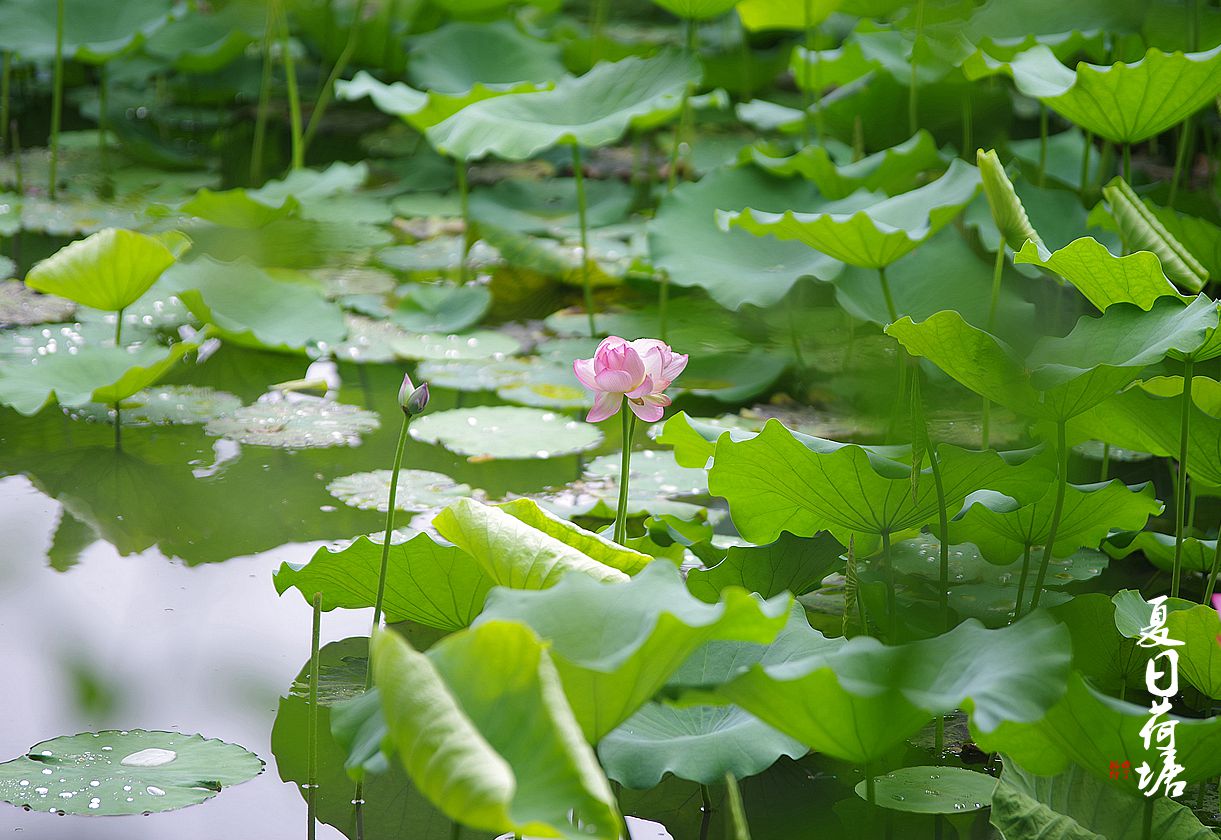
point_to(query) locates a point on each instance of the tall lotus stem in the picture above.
(1057, 511)
(811, 95)
(913, 116)
(1180, 159)
(684, 109)
(1180, 490)
(328, 87)
(57, 95)
(625, 471)
(1043, 118)
(578, 172)
(464, 202)
(294, 97)
(1021, 593)
(118, 414)
(6, 79)
(997, 270)
(264, 106)
(1212, 574)
(892, 603)
(1127, 162)
(1085, 163)
(737, 810)
(595, 31)
(312, 735)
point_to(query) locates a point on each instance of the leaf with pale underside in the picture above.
(109, 270)
(1101, 276)
(1142, 230)
(1007, 210)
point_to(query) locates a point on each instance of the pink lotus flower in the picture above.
(639, 370)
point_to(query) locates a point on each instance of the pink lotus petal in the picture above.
(647, 411)
(584, 369)
(643, 389)
(1217, 602)
(677, 363)
(605, 405)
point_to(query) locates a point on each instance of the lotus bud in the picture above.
(416, 401)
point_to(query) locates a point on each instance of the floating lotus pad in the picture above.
(480, 344)
(474, 375)
(656, 478)
(300, 424)
(932, 790)
(21, 305)
(170, 405)
(113, 773)
(418, 490)
(490, 433)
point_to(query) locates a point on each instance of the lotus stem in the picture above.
(1146, 829)
(663, 306)
(294, 96)
(103, 107)
(870, 790)
(6, 79)
(967, 143)
(1180, 158)
(939, 737)
(748, 82)
(390, 510)
(997, 271)
(913, 116)
(705, 811)
(595, 37)
(1057, 511)
(625, 472)
(1180, 490)
(328, 88)
(1021, 593)
(578, 172)
(312, 735)
(1087, 147)
(1106, 462)
(1127, 163)
(455, 831)
(264, 106)
(811, 88)
(741, 829)
(57, 96)
(684, 108)
(1043, 120)
(1212, 574)
(892, 602)
(464, 201)
(943, 521)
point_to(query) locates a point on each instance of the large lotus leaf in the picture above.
(1196, 555)
(458, 56)
(441, 309)
(1142, 230)
(1101, 276)
(549, 208)
(703, 743)
(1112, 661)
(419, 109)
(487, 433)
(238, 208)
(109, 270)
(1077, 806)
(860, 699)
(790, 564)
(516, 554)
(475, 344)
(204, 42)
(1124, 103)
(93, 32)
(1006, 27)
(1062, 377)
(734, 267)
(1092, 730)
(1003, 201)
(616, 644)
(310, 422)
(588, 543)
(251, 307)
(931, 790)
(417, 490)
(876, 235)
(1003, 529)
(697, 9)
(774, 483)
(1140, 422)
(591, 110)
(758, 15)
(102, 374)
(891, 171)
(482, 727)
(129, 772)
(429, 583)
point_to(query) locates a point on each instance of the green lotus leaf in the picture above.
(1200, 655)
(1137, 421)
(549, 208)
(873, 236)
(202, 41)
(435, 585)
(1101, 276)
(591, 110)
(516, 554)
(657, 480)
(931, 790)
(167, 405)
(1004, 528)
(758, 15)
(419, 109)
(774, 483)
(1077, 806)
(1141, 230)
(458, 56)
(859, 699)
(703, 743)
(489, 433)
(476, 344)
(790, 564)
(1007, 210)
(239, 208)
(891, 171)
(697, 9)
(130, 772)
(1158, 549)
(1112, 661)
(441, 309)
(251, 307)
(21, 305)
(1091, 730)
(482, 727)
(819, 69)
(1201, 237)
(417, 490)
(1124, 103)
(103, 374)
(109, 270)
(1006, 27)
(300, 424)
(92, 32)
(1062, 163)
(631, 635)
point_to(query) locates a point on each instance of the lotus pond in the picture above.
(679, 419)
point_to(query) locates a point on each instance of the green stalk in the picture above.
(57, 95)
(966, 125)
(748, 83)
(578, 173)
(455, 831)
(663, 306)
(103, 107)
(328, 88)
(6, 78)
(705, 811)
(870, 791)
(1127, 162)
(1043, 118)
(684, 109)
(811, 89)
(892, 601)
(312, 734)
(294, 96)
(943, 521)
(625, 472)
(913, 117)
(1180, 158)
(1021, 593)
(997, 271)
(1085, 162)
(1212, 574)
(1146, 829)
(464, 201)
(1057, 511)
(264, 106)
(118, 413)
(599, 22)
(381, 578)
(1106, 461)
(1180, 490)
(737, 810)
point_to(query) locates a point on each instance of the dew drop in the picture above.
(152, 757)
(155, 791)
